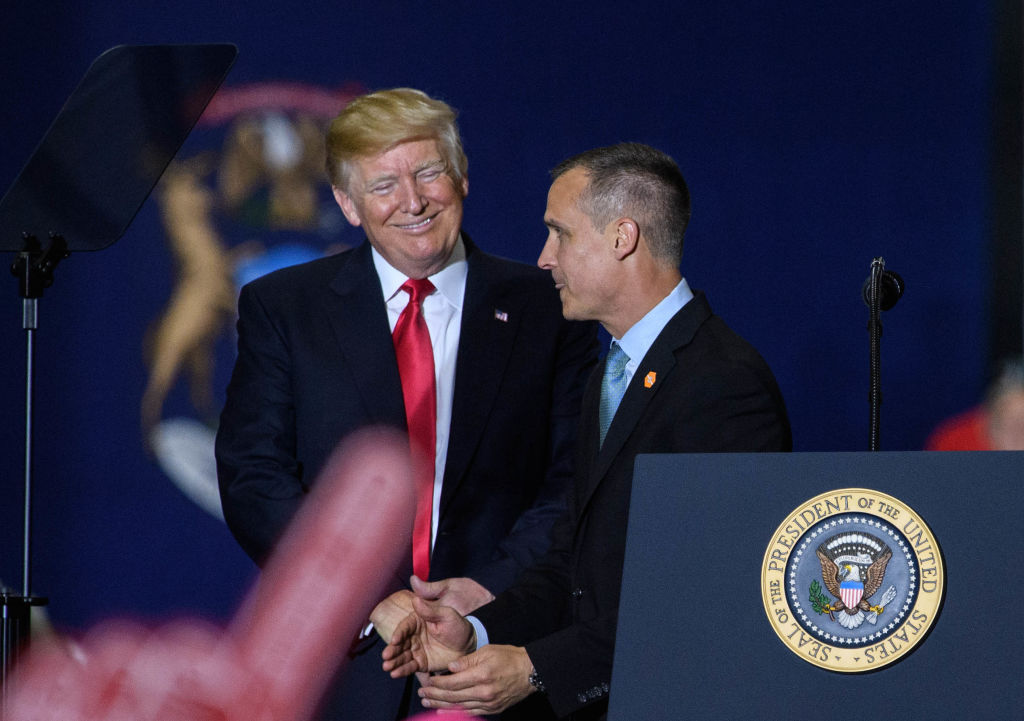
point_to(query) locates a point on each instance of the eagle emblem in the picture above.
(837, 561)
(853, 569)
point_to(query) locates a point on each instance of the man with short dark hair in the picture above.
(675, 380)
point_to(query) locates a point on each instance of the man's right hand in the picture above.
(390, 612)
(463, 594)
(428, 640)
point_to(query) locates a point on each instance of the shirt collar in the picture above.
(450, 281)
(638, 339)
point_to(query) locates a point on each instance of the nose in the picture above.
(410, 198)
(546, 260)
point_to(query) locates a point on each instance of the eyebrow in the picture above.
(431, 164)
(553, 225)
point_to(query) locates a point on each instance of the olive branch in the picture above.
(819, 601)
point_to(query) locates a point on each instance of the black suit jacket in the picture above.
(316, 362)
(706, 390)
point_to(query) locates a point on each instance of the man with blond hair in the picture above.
(418, 329)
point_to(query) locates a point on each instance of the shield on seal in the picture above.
(850, 592)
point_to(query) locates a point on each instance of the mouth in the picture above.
(419, 225)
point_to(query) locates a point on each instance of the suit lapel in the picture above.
(356, 310)
(490, 323)
(653, 374)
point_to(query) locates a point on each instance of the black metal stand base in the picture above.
(15, 614)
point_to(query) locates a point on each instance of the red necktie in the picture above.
(416, 369)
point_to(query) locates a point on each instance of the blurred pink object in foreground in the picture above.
(276, 658)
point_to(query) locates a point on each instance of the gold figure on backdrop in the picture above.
(203, 299)
(230, 214)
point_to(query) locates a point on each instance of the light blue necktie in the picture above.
(613, 386)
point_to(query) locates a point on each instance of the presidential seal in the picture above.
(852, 580)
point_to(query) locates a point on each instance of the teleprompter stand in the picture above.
(81, 188)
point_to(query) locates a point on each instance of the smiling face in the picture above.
(407, 204)
(581, 258)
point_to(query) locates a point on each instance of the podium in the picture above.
(696, 636)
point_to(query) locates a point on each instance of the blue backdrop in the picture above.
(814, 137)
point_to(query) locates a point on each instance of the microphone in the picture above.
(890, 289)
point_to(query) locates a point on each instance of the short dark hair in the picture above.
(640, 182)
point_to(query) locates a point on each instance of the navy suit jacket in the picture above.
(316, 362)
(700, 388)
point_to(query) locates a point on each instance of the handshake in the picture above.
(427, 634)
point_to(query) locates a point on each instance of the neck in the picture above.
(644, 294)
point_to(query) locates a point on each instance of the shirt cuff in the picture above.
(481, 632)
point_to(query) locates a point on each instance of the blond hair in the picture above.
(374, 123)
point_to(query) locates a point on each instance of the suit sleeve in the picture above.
(536, 604)
(571, 659)
(530, 537)
(260, 479)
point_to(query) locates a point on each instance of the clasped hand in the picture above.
(457, 596)
(422, 635)
(426, 636)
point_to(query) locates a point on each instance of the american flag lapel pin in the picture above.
(500, 315)
(649, 379)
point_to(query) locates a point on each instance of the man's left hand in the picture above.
(487, 681)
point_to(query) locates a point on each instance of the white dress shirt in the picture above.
(442, 311)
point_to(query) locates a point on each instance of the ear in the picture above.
(344, 202)
(465, 187)
(627, 237)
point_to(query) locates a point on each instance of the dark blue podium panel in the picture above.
(694, 639)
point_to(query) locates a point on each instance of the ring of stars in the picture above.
(835, 525)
